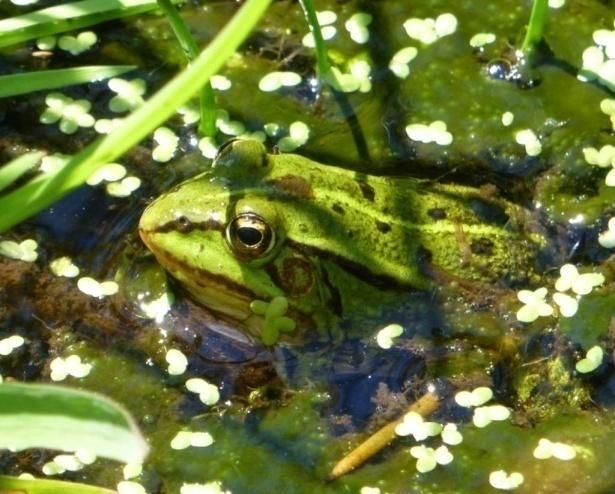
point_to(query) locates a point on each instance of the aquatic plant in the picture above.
(54, 417)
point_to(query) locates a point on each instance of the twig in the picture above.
(424, 406)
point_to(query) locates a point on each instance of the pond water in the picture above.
(529, 153)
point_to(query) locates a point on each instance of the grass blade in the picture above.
(45, 486)
(42, 191)
(14, 169)
(322, 59)
(27, 82)
(55, 417)
(67, 17)
(207, 124)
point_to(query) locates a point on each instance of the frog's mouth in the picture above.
(225, 298)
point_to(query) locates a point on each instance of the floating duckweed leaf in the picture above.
(61, 368)
(220, 82)
(325, 17)
(108, 173)
(503, 481)
(369, 490)
(328, 32)
(7, 345)
(568, 305)
(208, 393)
(434, 132)
(483, 416)
(428, 458)
(208, 488)
(535, 305)
(71, 113)
(24, 251)
(91, 287)
(208, 147)
(507, 118)
(132, 470)
(185, 439)
(167, 144)
(413, 423)
(107, 125)
(124, 188)
(547, 449)
(178, 363)
(603, 157)
(63, 266)
(129, 94)
(274, 320)
(78, 44)
(593, 359)
(607, 237)
(46, 43)
(272, 129)
(356, 25)
(259, 307)
(450, 435)
(129, 487)
(581, 284)
(400, 60)
(299, 135)
(475, 398)
(481, 39)
(428, 30)
(275, 80)
(530, 141)
(361, 70)
(386, 335)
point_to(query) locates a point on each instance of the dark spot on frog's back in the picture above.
(482, 246)
(383, 227)
(437, 214)
(294, 186)
(367, 191)
(489, 212)
(338, 208)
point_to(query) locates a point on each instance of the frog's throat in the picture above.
(222, 296)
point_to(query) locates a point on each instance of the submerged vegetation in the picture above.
(460, 335)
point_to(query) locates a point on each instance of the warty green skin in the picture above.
(342, 240)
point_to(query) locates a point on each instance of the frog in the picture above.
(278, 240)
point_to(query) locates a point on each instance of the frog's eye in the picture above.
(249, 236)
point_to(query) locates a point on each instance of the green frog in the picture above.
(276, 242)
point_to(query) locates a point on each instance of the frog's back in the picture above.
(399, 228)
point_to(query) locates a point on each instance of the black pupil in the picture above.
(249, 236)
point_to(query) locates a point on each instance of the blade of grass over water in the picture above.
(45, 486)
(207, 124)
(535, 28)
(42, 191)
(16, 168)
(28, 82)
(322, 59)
(67, 17)
(56, 417)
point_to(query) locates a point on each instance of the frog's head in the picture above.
(222, 236)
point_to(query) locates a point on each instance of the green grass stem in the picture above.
(46, 486)
(68, 17)
(43, 190)
(535, 28)
(322, 59)
(28, 82)
(18, 167)
(207, 124)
